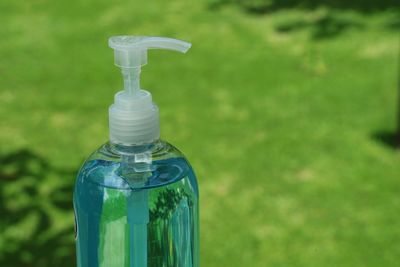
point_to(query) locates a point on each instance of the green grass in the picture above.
(280, 114)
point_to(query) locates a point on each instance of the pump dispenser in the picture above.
(133, 116)
(136, 198)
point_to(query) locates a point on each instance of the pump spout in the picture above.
(131, 51)
(166, 43)
(130, 54)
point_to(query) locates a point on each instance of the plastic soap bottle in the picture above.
(136, 198)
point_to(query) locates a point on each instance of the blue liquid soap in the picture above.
(136, 198)
(103, 206)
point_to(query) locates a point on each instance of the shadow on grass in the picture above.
(330, 24)
(387, 138)
(324, 27)
(33, 195)
(266, 6)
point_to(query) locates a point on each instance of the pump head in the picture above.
(133, 116)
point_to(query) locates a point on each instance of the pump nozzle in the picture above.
(133, 117)
(131, 51)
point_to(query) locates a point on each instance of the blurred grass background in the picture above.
(286, 110)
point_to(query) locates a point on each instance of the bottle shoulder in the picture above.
(146, 166)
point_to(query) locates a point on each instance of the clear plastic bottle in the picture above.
(103, 190)
(136, 198)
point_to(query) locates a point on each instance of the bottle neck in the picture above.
(124, 149)
(136, 160)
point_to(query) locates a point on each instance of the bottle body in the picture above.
(137, 206)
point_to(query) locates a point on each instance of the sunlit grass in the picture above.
(280, 121)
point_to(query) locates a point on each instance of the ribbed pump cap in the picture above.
(134, 117)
